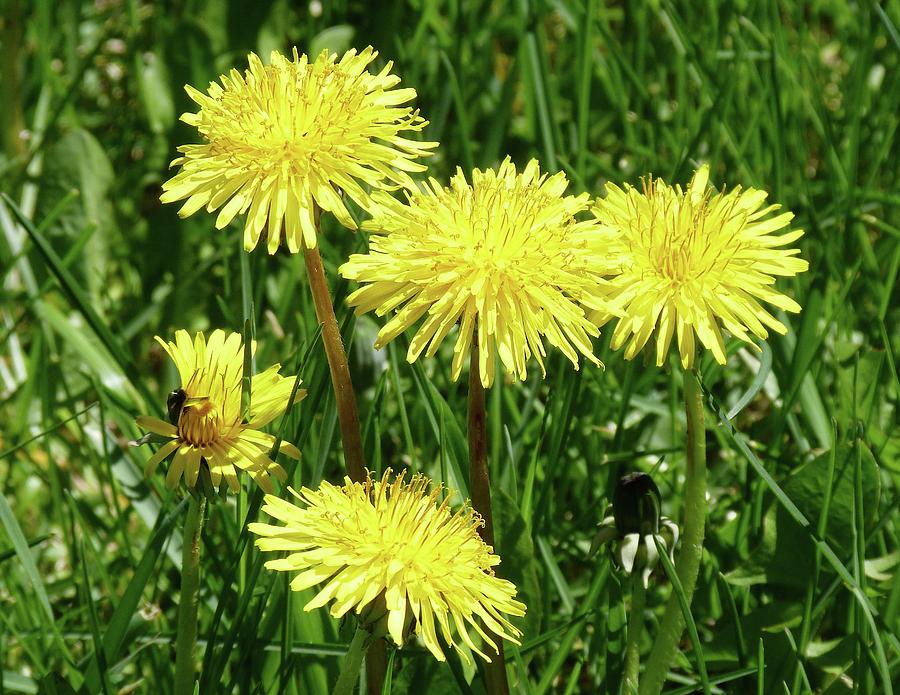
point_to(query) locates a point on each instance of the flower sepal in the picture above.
(205, 485)
(635, 525)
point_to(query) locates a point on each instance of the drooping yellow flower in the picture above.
(381, 547)
(284, 138)
(504, 257)
(688, 260)
(207, 427)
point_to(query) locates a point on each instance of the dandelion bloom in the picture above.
(690, 259)
(207, 427)
(395, 546)
(504, 257)
(287, 137)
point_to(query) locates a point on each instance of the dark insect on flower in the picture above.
(174, 404)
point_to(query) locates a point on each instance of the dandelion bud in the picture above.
(636, 504)
(635, 525)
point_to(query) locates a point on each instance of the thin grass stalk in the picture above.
(688, 563)
(480, 489)
(187, 605)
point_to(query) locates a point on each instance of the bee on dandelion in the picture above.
(206, 427)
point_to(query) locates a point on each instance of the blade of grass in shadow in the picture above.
(765, 368)
(716, 680)
(563, 651)
(686, 612)
(99, 659)
(740, 640)
(462, 115)
(401, 404)
(760, 668)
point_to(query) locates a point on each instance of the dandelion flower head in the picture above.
(397, 543)
(207, 427)
(690, 261)
(285, 138)
(504, 257)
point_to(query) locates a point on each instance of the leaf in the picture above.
(785, 554)
(336, 39)
(156, 92)
(518, 561)
(77, 161)
(769, 618)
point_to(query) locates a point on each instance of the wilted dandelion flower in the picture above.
(688, 260)
(396, 555)
(504, 257)
(207, 427)
(284, 138)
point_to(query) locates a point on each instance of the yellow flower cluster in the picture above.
(504, 257)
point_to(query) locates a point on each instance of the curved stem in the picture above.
(344, 396)
(480, 490)
(635, 628)
(688, 562)
(187, 605)
(346, 683)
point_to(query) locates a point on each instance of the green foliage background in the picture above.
(799, 588)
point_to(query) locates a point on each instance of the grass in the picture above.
(798, 590)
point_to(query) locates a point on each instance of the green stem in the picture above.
(346, 683)
(187, 605)
(688, 562)
(635, 628)
(480, 490)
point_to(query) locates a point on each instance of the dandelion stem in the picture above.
(688, 563)
(480, 490)
(346, 683)
(187, 605)
(344, 397)
(635, 628)
(348, 415)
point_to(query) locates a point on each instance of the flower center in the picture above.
(284, 122)
(684, 238)
(199, 425)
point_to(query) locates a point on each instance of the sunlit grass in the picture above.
(798, 588)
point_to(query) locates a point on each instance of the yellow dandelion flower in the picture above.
(207, 426)
(505, 257)
(285, 138)
(688, 260)
(394, 546)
